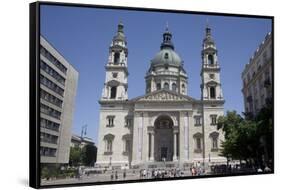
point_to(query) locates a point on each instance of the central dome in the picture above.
(167, 56)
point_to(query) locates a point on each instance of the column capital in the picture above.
(150, 129)
(175, 129)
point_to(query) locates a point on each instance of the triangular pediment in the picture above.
(163, 95)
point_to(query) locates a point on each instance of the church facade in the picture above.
(164, 124)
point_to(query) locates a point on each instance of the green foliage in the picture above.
(75, 156)
(89, 153)
(82, 156)
(48, 172)
(247, 138)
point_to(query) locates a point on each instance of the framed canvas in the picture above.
(121, 94)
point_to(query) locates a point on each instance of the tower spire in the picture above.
(208, 28)
(167, 26)
(208, 40)
(167, 39)
(120, 27)
(116, 84)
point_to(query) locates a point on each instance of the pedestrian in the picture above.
(144, 173)
(124, 174)
(193, 171)
(116, 175)
(267, 169)
(112, 176)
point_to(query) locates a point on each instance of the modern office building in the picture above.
(58, 84)
(257, 77)
(164, 124)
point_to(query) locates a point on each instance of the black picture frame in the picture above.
(34, 82)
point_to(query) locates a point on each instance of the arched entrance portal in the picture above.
(163, 145)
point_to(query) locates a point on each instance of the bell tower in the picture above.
(116, 79)
(210, 72)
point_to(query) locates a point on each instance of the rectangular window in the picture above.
(212, 92)
(48, 138)
(50, 98)
(264, 57)
(51, 85)
(44, 123)
(213, 119)
(128, 122)
(110, 121)
(50, 152)
(52, 72)
(50, 111)
(52, 59)
(197, 120)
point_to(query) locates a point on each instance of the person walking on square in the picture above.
(124, 174)
(112, 175)
(116, 175)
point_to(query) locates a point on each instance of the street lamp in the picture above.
(83, 131)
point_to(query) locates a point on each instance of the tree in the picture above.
(265, 131)
(89, 153)
(75, 156)
(249, 138)
(229, 125)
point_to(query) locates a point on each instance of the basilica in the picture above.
(164, 125)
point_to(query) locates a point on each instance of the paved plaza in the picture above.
(111, 176)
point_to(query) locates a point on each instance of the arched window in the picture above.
(108, 143)
(174, 87)
(113, 92)
(126, 143)
(158, 86)
(212, 92)
(210, 59)
(183, 88)
(116, 57)
(166, 86)
(215, 143)
(197, 142)
(214, 138)
(166, 56)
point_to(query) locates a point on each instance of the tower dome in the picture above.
(166, 69)
(167, 55)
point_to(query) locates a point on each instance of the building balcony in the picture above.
(216, 65)
(167, 73)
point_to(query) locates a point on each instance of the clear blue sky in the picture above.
(83, 36)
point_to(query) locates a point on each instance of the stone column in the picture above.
(140, 140)
(152, 146)
(186, 134)
(175, 146)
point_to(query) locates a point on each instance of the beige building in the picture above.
(164, 124)
(58, 84)
(257, 77)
